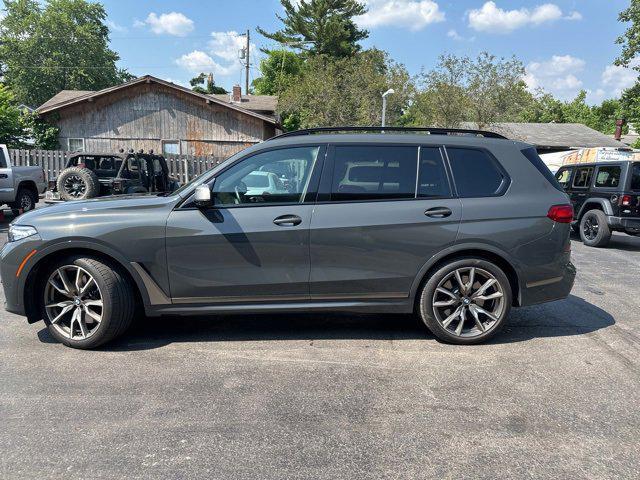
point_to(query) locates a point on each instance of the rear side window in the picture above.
(563, 176)
(432, 176)
(582, 178)
(608, 177)
(476, 173)
(536, 161)
(3, 161)
(635, 177)
(382, 172)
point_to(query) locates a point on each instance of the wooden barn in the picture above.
(150, 113)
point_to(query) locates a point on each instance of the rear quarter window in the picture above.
(476, 172)
(532, 155)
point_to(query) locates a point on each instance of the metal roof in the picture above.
(553, 135)
(255, 103)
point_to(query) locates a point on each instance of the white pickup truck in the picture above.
(20, 187)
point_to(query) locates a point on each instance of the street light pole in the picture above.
(384, 106)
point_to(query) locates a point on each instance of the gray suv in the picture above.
(458, 226)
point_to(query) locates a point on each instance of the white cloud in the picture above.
(114, 27)
(558, 75)
(493, 19)
(454, 35)
(173, 23)
(197, 61)
(221, 56)
(411, 14)
(616, 79)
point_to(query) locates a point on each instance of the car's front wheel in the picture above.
(466, 301)
(86, 302)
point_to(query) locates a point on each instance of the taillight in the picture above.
(561, 213)
(625, 200)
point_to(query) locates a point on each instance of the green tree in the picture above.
(205, 85)
(630, 40)
(12, 132)
(43, 135)
(346, 91)
(278, 70)
(56, 45)
(321, 27)
(483, 90)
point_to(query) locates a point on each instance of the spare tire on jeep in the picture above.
(75, 183)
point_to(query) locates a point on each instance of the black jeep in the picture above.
(89, 175)
(605, 197)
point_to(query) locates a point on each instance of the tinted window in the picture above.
(608, 177)
(475, 172)
(3, 161)
(253, 180)
(582, 178)
(536, 161)
(635, 177)
(563, 176)
(374, 172)
(432, 175)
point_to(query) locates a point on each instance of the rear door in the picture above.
(580, 187)
(382, 212)
(7, 192)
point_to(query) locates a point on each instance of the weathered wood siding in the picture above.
(144, 115)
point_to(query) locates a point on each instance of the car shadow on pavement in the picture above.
(619, 241)
(573, 316)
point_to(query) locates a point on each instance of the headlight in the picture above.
(18, 232)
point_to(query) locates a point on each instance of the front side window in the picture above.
(370, 172)
(563, 176)
(635, 177)
(582, 178)
(432, 176)
(475, 172)
(76, 144)
(608, 177)
(3, 161)
(275, 176)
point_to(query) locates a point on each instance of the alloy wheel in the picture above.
(73, 302)
(590, 227)
(468, 302)
(26, 203)
(75, 186)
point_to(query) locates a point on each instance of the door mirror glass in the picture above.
(202, 197)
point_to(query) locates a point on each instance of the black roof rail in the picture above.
(429, 130)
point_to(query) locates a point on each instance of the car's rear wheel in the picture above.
(594, 229)
(466, 301)
(86, 302)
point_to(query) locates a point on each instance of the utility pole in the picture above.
(248, 66)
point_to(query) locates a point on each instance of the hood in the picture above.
(112, 205)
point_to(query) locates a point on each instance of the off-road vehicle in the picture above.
(606, 198)
(90, 175)
(457, 226)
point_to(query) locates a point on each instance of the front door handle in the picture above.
(438, 212)
(287, 220)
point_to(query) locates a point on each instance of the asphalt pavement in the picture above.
(556, 395)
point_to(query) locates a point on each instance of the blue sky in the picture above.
(565, 44)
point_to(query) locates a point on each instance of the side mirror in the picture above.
(202, 197)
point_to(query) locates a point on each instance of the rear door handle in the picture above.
(4, 175)
(438, 212)
(287, 220)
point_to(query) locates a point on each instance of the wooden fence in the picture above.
(182, 167)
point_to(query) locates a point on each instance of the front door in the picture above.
(385, 210)
(253, 244)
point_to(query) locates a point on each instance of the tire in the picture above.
(25, 200)
(109, 286)
(444, 278)
(594, 229)
(76, 183)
